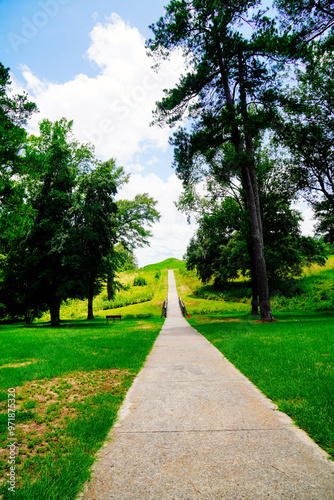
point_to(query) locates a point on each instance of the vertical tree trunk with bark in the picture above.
(90, 314)
(253, 202)
(244, 160)
(110, 287)
(259, 260)
(55, 312)
(255, 292)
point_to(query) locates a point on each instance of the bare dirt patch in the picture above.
(265, 321)
(45, 407)
(19, 364)
(220, 320)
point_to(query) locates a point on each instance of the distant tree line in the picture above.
(62, 232)
(258, 104)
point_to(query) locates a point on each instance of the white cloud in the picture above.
(133, 168)
(113, 110)
(308, 222)
(171, 236)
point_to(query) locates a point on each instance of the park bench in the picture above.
(114, 317)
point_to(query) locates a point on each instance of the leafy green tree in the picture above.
(94, 229)
(15, 110)
(127, 259)
(46, 274)
(308, 18)
(221, 247)
(134, 218)
(306, 129)
(132, 221)
(228, 94)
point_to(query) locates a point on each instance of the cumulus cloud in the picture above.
(308, 222)
(171, 236)
(113, 109)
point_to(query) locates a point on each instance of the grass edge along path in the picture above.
(290, 361)
(65, 404)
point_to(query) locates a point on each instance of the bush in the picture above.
(310, 293)
(231, 292)
(139, 281)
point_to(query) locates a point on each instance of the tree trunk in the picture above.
(255, 303)
(255, 292)
(259, 260)
(55, 313)
(110, 287)
(245, 163)
(111, 283)
(90, 306)
(253, 202)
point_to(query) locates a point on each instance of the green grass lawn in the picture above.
(290, 361)
(70, 382)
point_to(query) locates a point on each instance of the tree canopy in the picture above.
(229, 95)
(67, 224)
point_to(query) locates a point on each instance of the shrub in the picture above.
(139, 281)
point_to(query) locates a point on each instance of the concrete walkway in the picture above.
(192, 427)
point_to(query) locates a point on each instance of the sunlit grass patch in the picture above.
(148, 295)
(316, 269)
(18, 364)
(150, 309)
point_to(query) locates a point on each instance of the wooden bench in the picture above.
(114, 317)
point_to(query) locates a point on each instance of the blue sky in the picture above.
(50, 36)
(86, 61)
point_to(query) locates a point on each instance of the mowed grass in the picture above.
(291, 361)
(69, 382)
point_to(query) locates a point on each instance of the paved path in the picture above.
(192, 427)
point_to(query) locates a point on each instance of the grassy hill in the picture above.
(167, 264)
(313, 291)
(131, 301)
